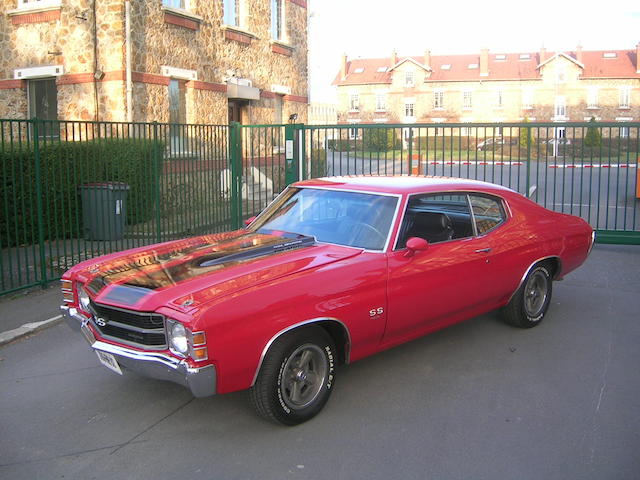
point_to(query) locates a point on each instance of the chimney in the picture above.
(394, 58)
(343, 67)
(579, 53)
(484, 62)
(427, 59)
(638, 58)
(543, 54)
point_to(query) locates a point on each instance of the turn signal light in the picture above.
(199, 338)
(199, 354)
(67, 291)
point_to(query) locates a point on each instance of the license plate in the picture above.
(109, 361)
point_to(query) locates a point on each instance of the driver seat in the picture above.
(432, 226)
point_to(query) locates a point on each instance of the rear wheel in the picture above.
(530, 303)
(296, 377)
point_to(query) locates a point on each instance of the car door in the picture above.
(430, 288)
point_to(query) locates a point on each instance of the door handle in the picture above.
(483, 250)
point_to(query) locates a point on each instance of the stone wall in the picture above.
(193, 40)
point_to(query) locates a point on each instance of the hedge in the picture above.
(64, 166)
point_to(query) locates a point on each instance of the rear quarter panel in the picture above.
(532, 234)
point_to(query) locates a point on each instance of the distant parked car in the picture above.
(495, 142)
(558, 141)
(332, 271)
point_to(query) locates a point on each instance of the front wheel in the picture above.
(531, 302)
(296, 377)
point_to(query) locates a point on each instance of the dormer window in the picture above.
(501, 57)
(525, 56)
(446, 66)
(473, 66)
(358, 70)
(610, 55)
(382, 69)
(408, 78)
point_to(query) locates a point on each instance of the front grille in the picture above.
(140, 329)
(134, 319)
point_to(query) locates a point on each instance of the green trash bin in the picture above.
(104, 210)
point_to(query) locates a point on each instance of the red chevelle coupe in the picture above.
(333, 270)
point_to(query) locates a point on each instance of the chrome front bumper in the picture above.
(201, 381)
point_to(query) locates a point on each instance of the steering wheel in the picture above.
(361, 226)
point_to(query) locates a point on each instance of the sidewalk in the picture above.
(26, 312)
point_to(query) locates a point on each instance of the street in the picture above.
(479, 400)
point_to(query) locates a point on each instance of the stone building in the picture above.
(183, 61)
(491, 87)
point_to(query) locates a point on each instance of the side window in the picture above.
(487, 211)
(436, 218)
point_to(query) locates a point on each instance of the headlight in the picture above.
(178, 338)
(83, 299)
(186, 343)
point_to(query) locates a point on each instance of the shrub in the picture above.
(593, 138)
(64, 167)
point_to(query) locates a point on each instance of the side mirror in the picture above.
(416, 244)
(249, 221)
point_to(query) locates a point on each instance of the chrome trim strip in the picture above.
(555, 257)
(293, 327)
(593, 241)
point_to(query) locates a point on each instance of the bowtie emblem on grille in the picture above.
(101, 321)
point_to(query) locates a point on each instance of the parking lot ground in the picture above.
(480, 400)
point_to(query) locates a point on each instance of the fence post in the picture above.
(39, 209)
(156, 157)
(235, 168)
(410, 151)
(292, 155)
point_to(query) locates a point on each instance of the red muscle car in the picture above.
(333, 270)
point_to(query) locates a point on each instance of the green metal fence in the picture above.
(74, 190)
(587, 169)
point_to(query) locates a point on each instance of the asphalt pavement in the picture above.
(480, 400)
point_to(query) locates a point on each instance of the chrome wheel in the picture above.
(303, 375)
(535, 293)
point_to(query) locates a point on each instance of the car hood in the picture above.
(185, 274)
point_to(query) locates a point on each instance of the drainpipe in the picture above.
(127, 68)
(97, 75)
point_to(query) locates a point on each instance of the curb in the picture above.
(27, 329)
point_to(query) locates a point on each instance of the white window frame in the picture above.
(467, 99)
(499, 98)
(409, 109)
(624, 97)
(354, 102)
(282, 37)
(185, 4)
(527, 98)
(438, 99)
(592, 97)
(560, 107)
(409, 78)
(237, 20)
(381, 102)
(353, 130)
(38, 4)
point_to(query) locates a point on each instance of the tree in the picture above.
(526, 136)
(593, 138)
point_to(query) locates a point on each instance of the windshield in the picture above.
(346, 218)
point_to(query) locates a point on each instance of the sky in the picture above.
(374, 28)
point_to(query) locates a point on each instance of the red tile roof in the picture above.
(596, 65)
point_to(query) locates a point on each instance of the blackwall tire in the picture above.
(530, 303)
(296, 378)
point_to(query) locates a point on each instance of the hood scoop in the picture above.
(260, 251)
